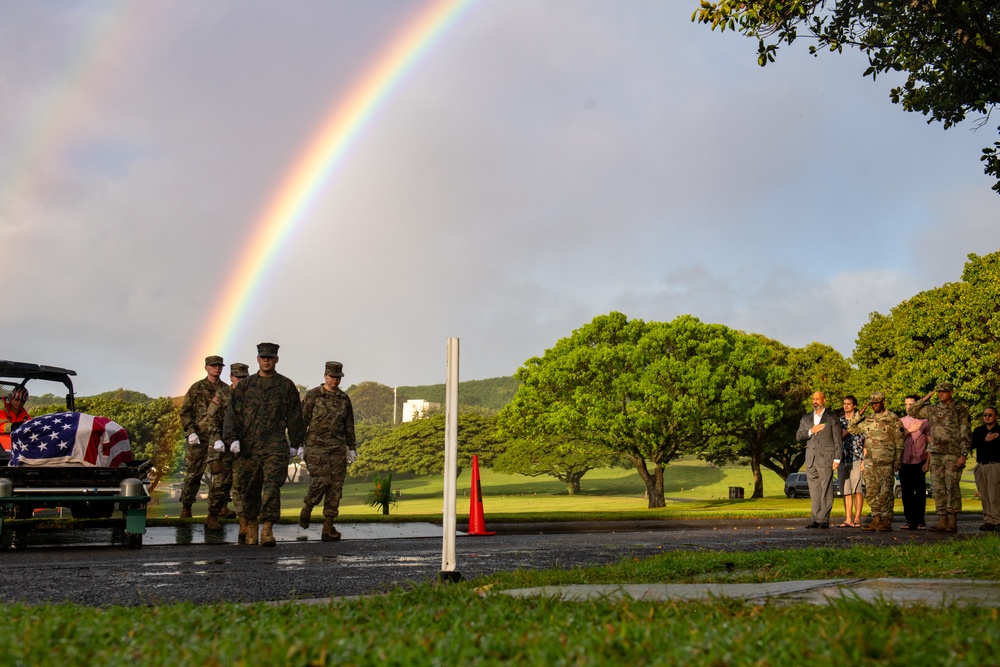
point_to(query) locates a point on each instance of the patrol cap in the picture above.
(267, 349)
(945, 386)
(214, 360)
(239, 370)
(334, 369)
(877, 397)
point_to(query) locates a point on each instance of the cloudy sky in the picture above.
(541, 163)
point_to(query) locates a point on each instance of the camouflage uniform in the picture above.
(221, 464)
(193, 411)
(884, 440)
(950, 438)
(259, 412)
(329, 419)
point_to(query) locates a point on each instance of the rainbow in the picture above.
(310, 172)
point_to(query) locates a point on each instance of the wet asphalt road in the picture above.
(102, 575)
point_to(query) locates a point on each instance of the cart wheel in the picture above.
(133, 540)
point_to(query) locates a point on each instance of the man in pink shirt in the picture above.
(913, 472)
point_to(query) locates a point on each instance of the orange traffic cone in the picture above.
(477, 522)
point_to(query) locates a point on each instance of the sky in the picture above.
(535, 164)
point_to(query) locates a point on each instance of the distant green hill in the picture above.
(126, 395)
(493, 393)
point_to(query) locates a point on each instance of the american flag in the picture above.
(70, 438)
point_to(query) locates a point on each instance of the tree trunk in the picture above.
(758, 478)
(573, 483)
(653, 483)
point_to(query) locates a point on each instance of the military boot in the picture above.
(226, 513)
(942, 525)
(266, 538)
(212, 522)
(305, 516)
(885, 525)
(251, 537)
(241, 537)
(185, 511)
(873, 524)
(952, 523)
(330, 533)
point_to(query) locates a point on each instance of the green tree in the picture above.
(372, 402)
(418, 446)
(949, 49)
(950, 332)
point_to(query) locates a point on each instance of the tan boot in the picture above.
(266, 537)
(226, 513)
(952, 523)
(330, 533)
(185, 511)
(885, 525)
(251, 537)
(872, 525)
(212, 522)
(305, 516)
(241, 538)
(942, 525)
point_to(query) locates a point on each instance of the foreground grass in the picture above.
(451, 626)
(471, 623)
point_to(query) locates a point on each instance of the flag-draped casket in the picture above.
(70, 439)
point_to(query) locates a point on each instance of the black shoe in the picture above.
(824, 526)
(814, 524)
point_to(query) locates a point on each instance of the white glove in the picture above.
(234, 447)
(301, 452)
(292, 451)
(193, 439)
(351, 455)
(219, 446)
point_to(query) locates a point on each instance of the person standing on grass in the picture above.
(986, 442)
(913, 472)
(820, 430)
(851, 462)
(193, 410)
(330, 447)
(948, 450)
(882, 457)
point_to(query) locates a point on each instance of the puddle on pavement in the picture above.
(196, 534)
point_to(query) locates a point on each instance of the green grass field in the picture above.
(693, 489)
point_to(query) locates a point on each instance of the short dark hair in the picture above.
(990, 407)
(851, 399)
(913, 396)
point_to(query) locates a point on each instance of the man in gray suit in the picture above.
(820, 430)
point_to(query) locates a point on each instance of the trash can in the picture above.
(735, 492)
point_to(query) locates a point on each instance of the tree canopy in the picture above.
(949, 333)
(949, 49)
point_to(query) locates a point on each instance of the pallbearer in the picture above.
(330, 447)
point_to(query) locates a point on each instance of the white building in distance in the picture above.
(417, 408)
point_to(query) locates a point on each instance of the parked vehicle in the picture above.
(797, 486)
(89, 491)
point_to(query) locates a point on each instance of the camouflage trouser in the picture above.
(261, 474)
(879, 482)
(221, 465)
(945, 478)
(327, 466)
(195, 460)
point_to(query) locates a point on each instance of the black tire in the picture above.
(133, 540)
(23, 511)
(789, 492)
(898, 492)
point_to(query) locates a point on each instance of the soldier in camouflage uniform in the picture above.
(883, 456)
(193, 410)
(950, 440)
(220, 457)
(330, 446)
(262, 408)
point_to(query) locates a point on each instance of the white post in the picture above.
(394, 405)
(450, 463)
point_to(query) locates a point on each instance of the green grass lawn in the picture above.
(472, 623)
(693, 489)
